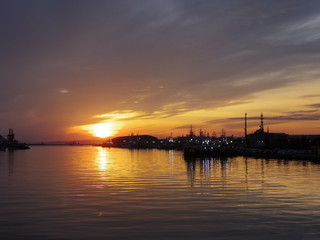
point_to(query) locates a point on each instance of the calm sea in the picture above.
(91, 193)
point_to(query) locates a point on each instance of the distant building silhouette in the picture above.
(135, 141)
(261, 138)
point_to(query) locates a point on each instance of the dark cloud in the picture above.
(315, 105)
(311, 96)
(159, 57)
(294, 116)
(184, 127)
(302, 112)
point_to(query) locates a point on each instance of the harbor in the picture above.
(259, 144)
(160, 120)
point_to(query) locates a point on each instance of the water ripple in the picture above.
(95, 193)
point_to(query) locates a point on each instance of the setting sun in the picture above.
(102, 130)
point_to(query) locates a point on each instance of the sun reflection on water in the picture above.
(102, 159)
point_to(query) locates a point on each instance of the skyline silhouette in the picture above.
(80, 70)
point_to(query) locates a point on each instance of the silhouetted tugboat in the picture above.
(204, 146)
(199, 146)
(13, 144)
(193, 149)
(2, 143)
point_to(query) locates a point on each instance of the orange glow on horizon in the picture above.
(100, 130)
(297, 114)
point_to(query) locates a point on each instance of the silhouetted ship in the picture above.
(206, 146)
(194, 150)
(11, 143)
(133, 141)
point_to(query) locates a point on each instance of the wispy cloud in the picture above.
(165, 111)
(64, 91)
(302, 31)
(117, 115)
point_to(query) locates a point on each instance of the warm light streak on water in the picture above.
(102, 159)
(100, 193)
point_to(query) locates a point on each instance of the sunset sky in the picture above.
(158, 66)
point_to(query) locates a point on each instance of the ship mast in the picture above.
(261, 123)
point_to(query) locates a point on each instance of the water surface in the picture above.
(99, 193)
